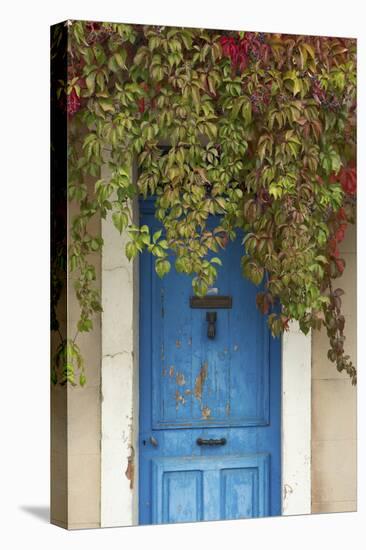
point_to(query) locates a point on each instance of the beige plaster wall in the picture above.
(334, 407)
(58, 442)
(75, 427)
(83, 409)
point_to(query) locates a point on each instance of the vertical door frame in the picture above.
(119, 376)
(296, 421)
(120, 391)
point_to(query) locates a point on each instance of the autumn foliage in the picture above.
(261, 131)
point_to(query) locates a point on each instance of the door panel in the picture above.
(206, 376)
(210, 488)
(194, 387)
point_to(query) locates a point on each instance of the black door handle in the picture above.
(211, 442)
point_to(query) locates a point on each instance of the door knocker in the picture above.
(211, 317)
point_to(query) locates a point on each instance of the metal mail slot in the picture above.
(211, 302)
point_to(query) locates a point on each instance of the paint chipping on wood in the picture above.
(130, 470)
(187, 391)
(178, 344)
(287, 490)
(171, 371)
(164, 371)
(206, 413)
(200, 381)
(179, 399)
(227, 408)
(180, 379)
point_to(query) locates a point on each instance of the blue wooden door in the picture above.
(209, 407)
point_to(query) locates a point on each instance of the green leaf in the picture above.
(131, 250)
(247, 112)
(196, 97)
(200, 287)
(120, 58)
(144, 239)
(85, 325)
(100, 81)
(162, 266)
(90, 82)
(107, 105)
(252, 270)
(309, 49)
(275, 190)
(157, 235)
(53, 376)
(297, 86)
(216, 261)
(120, 220)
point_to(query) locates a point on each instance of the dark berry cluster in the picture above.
(97, 33)
(318, 92)
(259, 99)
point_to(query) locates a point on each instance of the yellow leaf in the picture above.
(297, 86)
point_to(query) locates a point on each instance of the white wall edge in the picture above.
(119, 380)
(296, 421)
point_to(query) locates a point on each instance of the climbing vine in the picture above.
(261, 130)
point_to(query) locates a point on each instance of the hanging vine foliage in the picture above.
(261, 131)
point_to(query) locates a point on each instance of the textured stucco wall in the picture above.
(83, 409)
(334, 406)
(75, 427)
(120, 386)
(59, 435)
